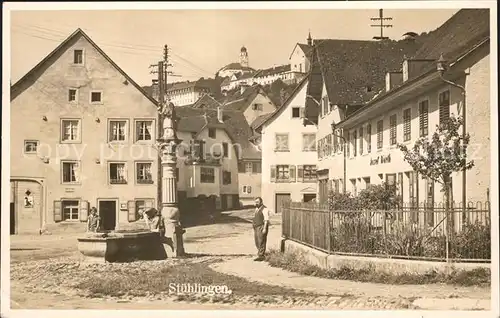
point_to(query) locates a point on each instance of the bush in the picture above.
(474, 241)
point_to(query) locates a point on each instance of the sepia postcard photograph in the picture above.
(327, 158)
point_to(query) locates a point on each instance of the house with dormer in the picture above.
(409, 97)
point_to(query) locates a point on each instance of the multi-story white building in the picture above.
(410, 105)
(186, 93)
(289, 158)
(300, 60)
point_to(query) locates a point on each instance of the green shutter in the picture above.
(84, 210)
(300, 173)
(58, 211)
(292, 173)
(273, 173)
(132, 215)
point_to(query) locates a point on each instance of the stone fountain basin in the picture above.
(122, 246)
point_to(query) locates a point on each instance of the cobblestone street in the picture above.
(209, 242)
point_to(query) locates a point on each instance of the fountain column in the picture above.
(169, 206)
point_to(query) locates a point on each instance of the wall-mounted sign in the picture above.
(380, 159)
(28, 199)
(69, 190)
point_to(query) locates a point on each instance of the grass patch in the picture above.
(296, 262)
(158, 280)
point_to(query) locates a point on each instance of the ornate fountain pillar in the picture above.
(169, 206)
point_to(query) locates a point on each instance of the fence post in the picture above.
(328, 231)
(384, 227)
(301, 225)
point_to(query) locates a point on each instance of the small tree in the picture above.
(438, 157)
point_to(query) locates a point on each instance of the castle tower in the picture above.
(244, 57)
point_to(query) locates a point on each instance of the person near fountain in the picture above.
(154, 221)
(93, 221)
(260, 228)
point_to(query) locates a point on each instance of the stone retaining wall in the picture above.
(393, 266)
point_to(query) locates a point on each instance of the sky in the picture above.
(201, 41)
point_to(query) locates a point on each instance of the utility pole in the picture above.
(381, 25)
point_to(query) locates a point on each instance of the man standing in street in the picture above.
(260, 228)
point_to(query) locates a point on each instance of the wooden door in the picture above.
(279, 200)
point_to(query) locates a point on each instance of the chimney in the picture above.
(393, 79)
(219, 115)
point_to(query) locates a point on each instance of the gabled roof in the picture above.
(194, 120)
(462, 31)
(354, 71)
(239, 101)
(304, 47)
(187, 84)
(278, 111)
(259, 120)
(273, 70)
(206, 102)
(16, 89)
(459, 36)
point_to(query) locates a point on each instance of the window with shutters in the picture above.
(423, 114)
(320, 148)
(70, 172)
(444, 107)
(256, 167)
(282, 173)
(144, 174)
(281, 142)
(308, 142)
(361, 138)
(207, 175)
(329, 145)
(380, 134)
(309, 173)
(369, 138)
(70, 210)
(393, 129)
(335, 143)
(225, 149)
(355, 143)
(226, 177)
(407, 124)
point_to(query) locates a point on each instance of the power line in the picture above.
(381, 18)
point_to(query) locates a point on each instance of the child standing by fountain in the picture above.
(93, 221)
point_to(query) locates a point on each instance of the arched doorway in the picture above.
(26, 206)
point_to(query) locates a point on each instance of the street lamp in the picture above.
(442, 67)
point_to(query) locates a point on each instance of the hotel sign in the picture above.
(380, 160)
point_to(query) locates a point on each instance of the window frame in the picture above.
(276, 149)
(126, 133)
(310, 148)
(224, 175)
(393, 130)
(214, 133)
(63, 206)
(298, 114)
(110, 181)
(62, 131)
(136, 170)
(311, 169)
(74, 101)
(74, 56)
(77, 174)
(284, 179)
(211, 175)
(26, 141)
(136, 130)
(99, 102)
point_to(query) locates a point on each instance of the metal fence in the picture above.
(412, 231)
